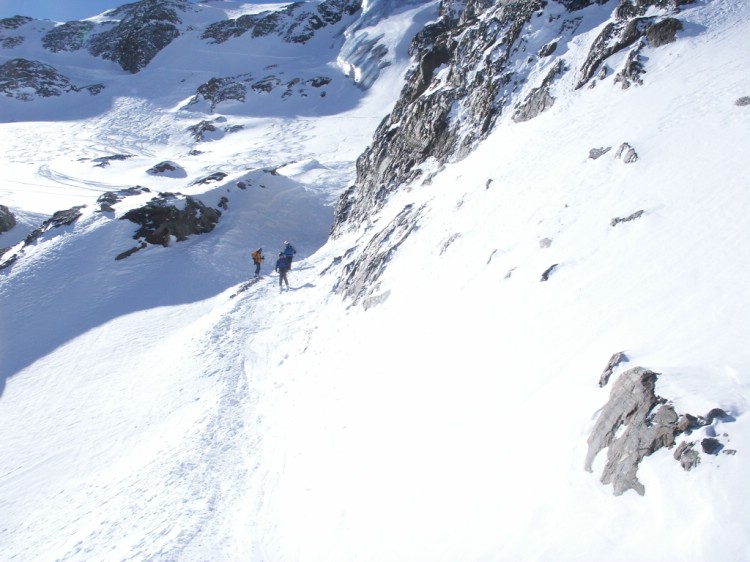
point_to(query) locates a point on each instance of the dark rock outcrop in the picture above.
(663, 32)
(69, 36)
(210, 178)
(24, 79)
(212, 130)
(14, 22)
(145, 29)
(743, 101)
(167, 168)
(631, 217)
(167, 216)
(8, 40)
(104, 161)
(107, 200)
(217, 90)
(57, 220)
(295, 23)
(7, 219)
(547, 272)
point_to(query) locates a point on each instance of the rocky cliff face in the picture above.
(24, 80)
(481, 59)
(296, 23)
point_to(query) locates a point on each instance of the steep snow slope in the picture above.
(155, 412)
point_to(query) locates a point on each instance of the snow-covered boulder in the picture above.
(167, 169)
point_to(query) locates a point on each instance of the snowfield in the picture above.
(159, 408)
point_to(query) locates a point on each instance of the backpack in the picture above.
(257, 257)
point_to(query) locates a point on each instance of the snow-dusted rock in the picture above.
(295, 23)
(110, 198)
(627, 153)
(167, 169)
(58, 219)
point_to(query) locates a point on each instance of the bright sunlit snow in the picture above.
(155, 408)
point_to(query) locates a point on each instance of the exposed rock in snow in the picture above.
(57, 220)
(627, 153)
(595, 153)
(612, 364)
(167, 168)
(363, 269)
(162, 218)
(9, 41)
(15, 22)
(7, 219)
(745, 100)
(547, 272)
(663, 32)
(69, 36)
(617, 220)
(25, 79)
(539, 99)
(296, 22)
(635, 423)
(630, 429)
(216, 176)
(110, 198)
(145, 29)
(632, 69)
(104, 161)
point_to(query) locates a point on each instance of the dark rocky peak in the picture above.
(295, 23)
(14, 22)
(145, 29)
(24, 79)
(69, 36)
(8, 39)
(481, 57)
(474, 44)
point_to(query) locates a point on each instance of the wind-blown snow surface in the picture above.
(148, 414)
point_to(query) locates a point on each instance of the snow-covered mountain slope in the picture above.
(428, 387)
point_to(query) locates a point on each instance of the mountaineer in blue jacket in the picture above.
(282, 266)
(289, 252)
